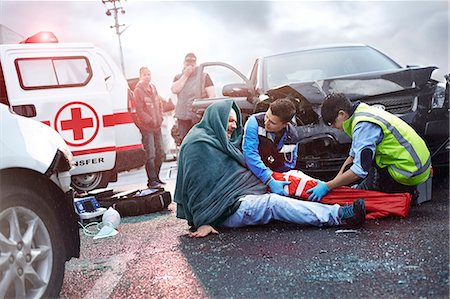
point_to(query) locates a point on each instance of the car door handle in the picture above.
(25, 110)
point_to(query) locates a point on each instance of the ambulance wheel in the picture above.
(31, 244)
(90, 181)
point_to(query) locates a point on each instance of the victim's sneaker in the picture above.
(354, 215)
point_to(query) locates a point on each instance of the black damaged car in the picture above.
(361, 72)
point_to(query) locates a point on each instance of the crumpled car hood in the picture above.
(357, 86)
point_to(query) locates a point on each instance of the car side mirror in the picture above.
(236, 90)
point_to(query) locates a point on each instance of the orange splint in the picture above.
(378, 204)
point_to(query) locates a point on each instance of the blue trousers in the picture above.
(261, 209)
(152, 142)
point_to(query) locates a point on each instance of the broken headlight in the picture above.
(439, 96)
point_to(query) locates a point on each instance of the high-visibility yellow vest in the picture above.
(402, 150)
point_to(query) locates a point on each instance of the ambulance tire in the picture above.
(33, 211)
(90, 181)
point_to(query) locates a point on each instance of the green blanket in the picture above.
(212, 175)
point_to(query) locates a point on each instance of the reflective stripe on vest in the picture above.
(403, 142)
(364, 113)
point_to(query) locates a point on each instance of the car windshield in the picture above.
(324, 63)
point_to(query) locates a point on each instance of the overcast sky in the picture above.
(160, 33)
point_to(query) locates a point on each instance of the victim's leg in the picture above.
(261, 209)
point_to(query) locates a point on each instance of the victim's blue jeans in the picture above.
(261, 209)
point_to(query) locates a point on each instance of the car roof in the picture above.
(320, 47)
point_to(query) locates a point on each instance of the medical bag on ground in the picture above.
(378, 204)
(138, 202)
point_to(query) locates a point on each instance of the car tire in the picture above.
(31, 243)
(90, 181)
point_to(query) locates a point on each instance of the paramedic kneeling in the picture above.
(223, 192)
(270, 143)
(386, 152)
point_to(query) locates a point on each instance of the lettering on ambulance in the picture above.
(89, 162)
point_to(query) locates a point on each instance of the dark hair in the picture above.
(331, 106)
(191, 57)
(283, 108)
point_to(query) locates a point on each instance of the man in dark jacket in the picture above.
(149, 120)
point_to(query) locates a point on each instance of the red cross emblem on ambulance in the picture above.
(77, 123)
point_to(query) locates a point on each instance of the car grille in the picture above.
(393, 104)
(324, 169)
(321, 164)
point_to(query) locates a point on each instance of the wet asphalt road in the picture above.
(152, 257)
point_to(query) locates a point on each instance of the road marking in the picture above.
(110, 278)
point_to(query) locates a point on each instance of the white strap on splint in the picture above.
(303, 179)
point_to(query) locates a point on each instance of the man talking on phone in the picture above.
(184, 86)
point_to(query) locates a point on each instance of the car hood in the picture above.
(357, 86)
(27, 143)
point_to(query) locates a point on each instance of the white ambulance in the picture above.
(79, 91)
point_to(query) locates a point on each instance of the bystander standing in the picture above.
(185, 87)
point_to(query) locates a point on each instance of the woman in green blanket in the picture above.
(214, 187)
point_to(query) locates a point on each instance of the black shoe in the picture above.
(161, 182)
(353, 216)
(154, 185)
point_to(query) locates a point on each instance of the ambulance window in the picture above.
(29, 69)
(71, 71)
(54, 72)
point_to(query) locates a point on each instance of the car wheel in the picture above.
(90, 181)
(32, 255)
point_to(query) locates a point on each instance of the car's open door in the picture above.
(229, 83)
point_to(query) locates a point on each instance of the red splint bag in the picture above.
(378, 204)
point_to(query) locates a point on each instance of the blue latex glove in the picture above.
(278, 187)
(318, 191)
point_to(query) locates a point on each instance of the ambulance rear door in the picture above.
(62, 85)
(128, 137)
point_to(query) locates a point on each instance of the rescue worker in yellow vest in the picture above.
(386, 152)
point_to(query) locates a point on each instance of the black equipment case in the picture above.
(138, 202)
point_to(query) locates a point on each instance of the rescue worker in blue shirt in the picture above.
(386, 152)
(270, 143)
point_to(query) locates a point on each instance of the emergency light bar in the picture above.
(41, 37)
